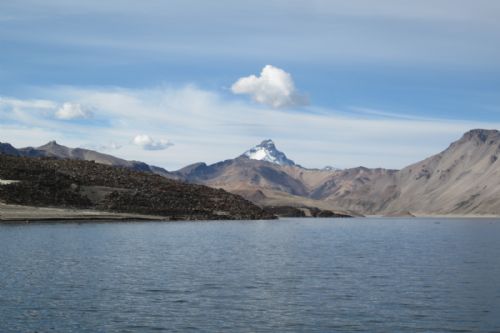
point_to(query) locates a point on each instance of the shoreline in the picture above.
(439, 216)
(17, 214)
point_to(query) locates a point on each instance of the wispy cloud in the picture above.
(207, 127)
(445, 32)
(110, 146)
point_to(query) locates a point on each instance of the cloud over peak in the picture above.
(274, 87)
(69, 111)
(147, 143)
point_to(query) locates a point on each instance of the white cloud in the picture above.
(69, 111)
(206, 127)
(103, 147)
(274, 87)
(147, 143)
(32, 104)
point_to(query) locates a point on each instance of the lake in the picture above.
(290, 275)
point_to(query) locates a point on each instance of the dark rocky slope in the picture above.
(86, 184)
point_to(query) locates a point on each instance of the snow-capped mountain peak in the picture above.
(266, 151)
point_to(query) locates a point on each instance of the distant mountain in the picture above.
(463, 179)
(55, 150)
(243, 173)
(267, 177)
(266, 151)
(8, 149)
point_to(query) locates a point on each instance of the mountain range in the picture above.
(464, 179)
(55, 150)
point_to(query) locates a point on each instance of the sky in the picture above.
(342, 83)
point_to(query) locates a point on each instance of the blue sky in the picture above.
(387, 82)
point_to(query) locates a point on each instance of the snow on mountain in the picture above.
(266, 151)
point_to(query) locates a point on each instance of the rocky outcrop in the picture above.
(84, 184)
(289, 211)
(285, 211)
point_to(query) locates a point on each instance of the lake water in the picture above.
(291, 275)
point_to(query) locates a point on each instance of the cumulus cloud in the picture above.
(69, 111)
(274, 87)
(147, 143)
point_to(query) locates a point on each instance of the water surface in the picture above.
(291, 275)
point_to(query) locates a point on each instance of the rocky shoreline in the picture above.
(290, 211)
